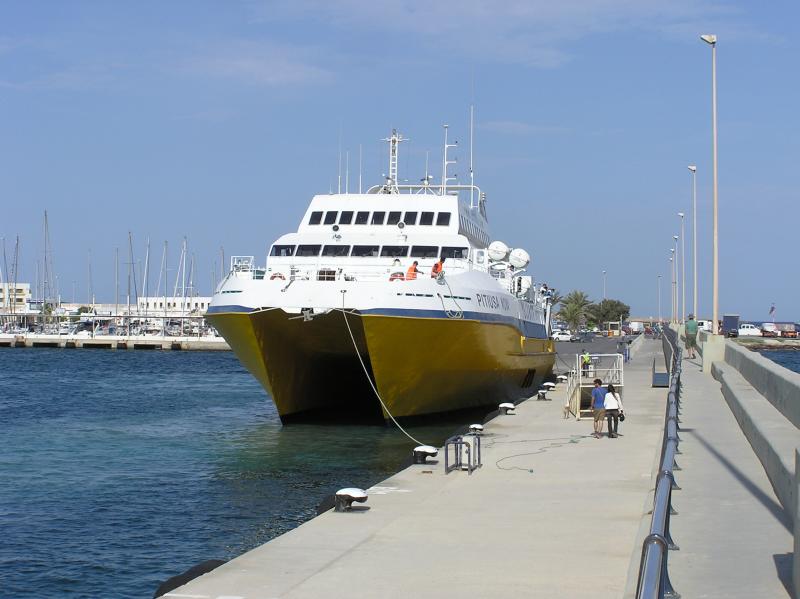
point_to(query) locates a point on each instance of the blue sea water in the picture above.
(121, 469)
(787, 359)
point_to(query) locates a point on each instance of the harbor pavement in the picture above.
(553, 512)
(735, 538)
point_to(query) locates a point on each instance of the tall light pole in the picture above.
(675, 281)
(693, 168)
(683, 269)
(659, 299)
(672, 286)
(711, 40)
(604, 284)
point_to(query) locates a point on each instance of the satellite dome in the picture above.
(519, 258)
(498, 251)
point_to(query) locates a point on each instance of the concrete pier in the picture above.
(553, 512)
(121, 342)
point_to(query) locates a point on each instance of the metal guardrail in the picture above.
(654, 582)
(463, 445)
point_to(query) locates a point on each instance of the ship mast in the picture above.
(446, 162)
(394, 144)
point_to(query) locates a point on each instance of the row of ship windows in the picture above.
(378, 218)
(369, 251)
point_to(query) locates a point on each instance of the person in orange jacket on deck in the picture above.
(412, 272)
(437, 268)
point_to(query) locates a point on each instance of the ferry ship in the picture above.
(339, 324)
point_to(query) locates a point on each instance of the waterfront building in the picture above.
(15, 297)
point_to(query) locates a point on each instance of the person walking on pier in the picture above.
(612, 404)
(691, 336)
(598, 407)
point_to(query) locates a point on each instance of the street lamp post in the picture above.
(604, 284)
(659, 299)
(712, 41)
(683, 269)
(672, 287)
(693, 168)
(676, 285)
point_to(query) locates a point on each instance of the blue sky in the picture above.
(219, 120)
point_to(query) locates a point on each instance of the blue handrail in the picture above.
(654, 580)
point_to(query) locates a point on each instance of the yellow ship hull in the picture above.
(420, 366)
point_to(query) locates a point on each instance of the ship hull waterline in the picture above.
(420, 366)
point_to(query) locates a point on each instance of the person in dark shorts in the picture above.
(691, 336)
(598, 409)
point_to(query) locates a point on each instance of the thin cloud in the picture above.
(530, 32)
(73, 78)
(260, 65)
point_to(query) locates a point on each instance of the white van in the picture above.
(750, 330)
(704, 325)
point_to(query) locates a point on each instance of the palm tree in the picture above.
(575, 309)
(555, 298)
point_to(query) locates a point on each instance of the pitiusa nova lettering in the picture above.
(488, 301)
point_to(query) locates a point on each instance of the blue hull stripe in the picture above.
(531, 330)
(217, 309)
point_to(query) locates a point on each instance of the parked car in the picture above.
(561, 336)
(787, 329)
(749, 330)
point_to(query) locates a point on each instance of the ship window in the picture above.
(336, 250)
(442, 219)
(308, 250)
(346, 217)
(282, 250)
(411, 218)
(426, 219)
(316, 218)
(394, 251)
(330, 217)
(394, 218)
(362, 218)
(424, 251)
(454, 252)
(377, 218)
(363, 251)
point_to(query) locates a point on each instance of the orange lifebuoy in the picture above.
(277, 275)
(397, 276)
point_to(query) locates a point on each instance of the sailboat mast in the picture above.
(128, 294)
(146, 276)
(16, 265)
(164, 322)
(116, 284)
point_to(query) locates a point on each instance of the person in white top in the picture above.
(613, 407)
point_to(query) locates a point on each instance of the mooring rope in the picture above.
(369, 378)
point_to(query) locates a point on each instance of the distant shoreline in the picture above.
(769, 343)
